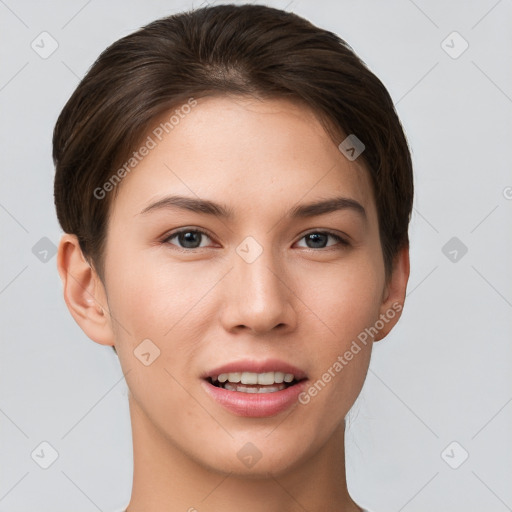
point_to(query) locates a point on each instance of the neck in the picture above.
(165, 478)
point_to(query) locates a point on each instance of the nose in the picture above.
(259, 296)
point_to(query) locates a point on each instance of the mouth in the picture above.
(251, 382)
(255, 389)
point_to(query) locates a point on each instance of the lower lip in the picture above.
(255, 405)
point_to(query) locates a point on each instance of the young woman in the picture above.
(235, 189)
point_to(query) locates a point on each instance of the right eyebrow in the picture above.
(190, 203)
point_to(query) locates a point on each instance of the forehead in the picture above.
(251, 154)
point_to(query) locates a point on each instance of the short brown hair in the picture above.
(224, 49)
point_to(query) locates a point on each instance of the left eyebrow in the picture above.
(328, 206)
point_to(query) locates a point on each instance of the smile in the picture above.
(252, 389)
(250, 382)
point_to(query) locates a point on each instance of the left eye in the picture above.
(318, 239)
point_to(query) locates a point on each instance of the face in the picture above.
(267, 287)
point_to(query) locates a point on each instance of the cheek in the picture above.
(344, 297)
(156, 298)
(343, 301)
(347, 304)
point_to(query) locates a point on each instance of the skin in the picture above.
(202, 308)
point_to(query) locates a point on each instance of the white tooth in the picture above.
(266, 379)
(263, 379)
(246, 389)
(234, 377)
(278, 377)
(249, 378)
(271, 389)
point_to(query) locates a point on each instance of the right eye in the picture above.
(188, 238)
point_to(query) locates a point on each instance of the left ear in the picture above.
(394, 293)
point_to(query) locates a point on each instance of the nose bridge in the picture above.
(254, 266)
(259, 298)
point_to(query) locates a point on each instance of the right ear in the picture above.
(84, 293)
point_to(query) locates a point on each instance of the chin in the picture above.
(257, 459)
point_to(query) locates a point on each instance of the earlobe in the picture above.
(83, 291)
(394, 294)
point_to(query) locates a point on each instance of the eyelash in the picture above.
(342, 241)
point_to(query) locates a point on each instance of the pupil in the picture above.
(190, 239)
(317, 238)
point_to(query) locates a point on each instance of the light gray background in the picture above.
(443, 375)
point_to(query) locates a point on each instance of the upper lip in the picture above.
(250, 365)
